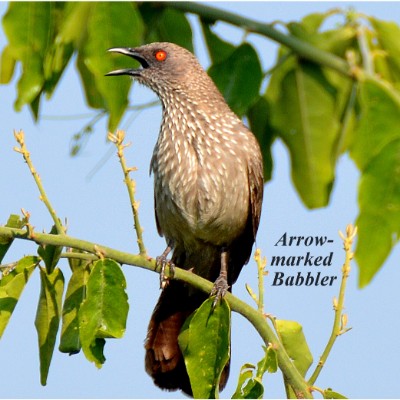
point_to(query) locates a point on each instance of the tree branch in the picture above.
(118, 140)
(303, 49)
(256, 318)
(20, 138)
(340, 320)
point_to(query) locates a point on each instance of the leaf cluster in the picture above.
(95, 306)
(331, 91)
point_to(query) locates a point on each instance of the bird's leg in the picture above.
(162, 261)
(221, 284)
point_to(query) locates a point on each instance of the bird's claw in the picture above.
(163, 262)
(219, 289)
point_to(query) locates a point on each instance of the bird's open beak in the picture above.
(131, 53)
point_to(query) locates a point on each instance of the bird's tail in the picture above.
(164, 360)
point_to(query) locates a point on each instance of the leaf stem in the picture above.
(118, 140)
(303, 49)
(20, 138)
(346, 119)
(340, 320)
(261, 264)
(292, 375)
(368, 64)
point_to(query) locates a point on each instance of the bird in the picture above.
(208, 192)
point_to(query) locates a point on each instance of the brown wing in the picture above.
(151, 170)
(240, 250)
(256, 189)
(159, 230)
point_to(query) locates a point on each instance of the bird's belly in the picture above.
(204, 209)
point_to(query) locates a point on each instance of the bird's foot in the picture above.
(219, 290)
(163, 262)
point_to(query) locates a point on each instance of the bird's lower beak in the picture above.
(126, 71)
(131, 53)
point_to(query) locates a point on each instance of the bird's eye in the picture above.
(160, 55)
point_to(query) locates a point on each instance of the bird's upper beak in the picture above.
(131, 53)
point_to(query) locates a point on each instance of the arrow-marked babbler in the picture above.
(208, 189)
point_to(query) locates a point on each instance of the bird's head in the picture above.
(163, 66)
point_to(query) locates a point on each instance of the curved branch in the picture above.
(300, 47)
(256, 318)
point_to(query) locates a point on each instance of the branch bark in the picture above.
(256, 318)
(303, 49)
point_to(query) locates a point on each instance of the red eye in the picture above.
(160, 55)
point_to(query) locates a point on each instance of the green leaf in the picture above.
(379, 219)
(253, 389)
(295, 344)
(14, 221)
(27, 27)
(246, 373)
(151, 15)
(205, 345)
(375, 231)
(330, 394)
(305, 116)
(102, 34)
(72, 31)
(346, 104)
(11, 287)
(73, 25)
(173, 26)
(7, 65)
(76, 293)
(269, 363)
(285, 63)
(387, 34)
(218, 49)
(238, 78)
(378, 121)
(336, 41)
(376, 150)
(104, 311)
(32, 31)
(54, 65)
(165, 25)
(48, 317)
(92, 94)
(308, 28)
(312, 22)
(249, 386)
(50, 253)
(259, 116)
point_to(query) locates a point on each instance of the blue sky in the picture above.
(363, 362)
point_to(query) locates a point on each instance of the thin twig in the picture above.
(340, 320)
(77, 138)
(118, 140)
(368, 64)
(346, 118)
(20, 138)
(259, 300)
